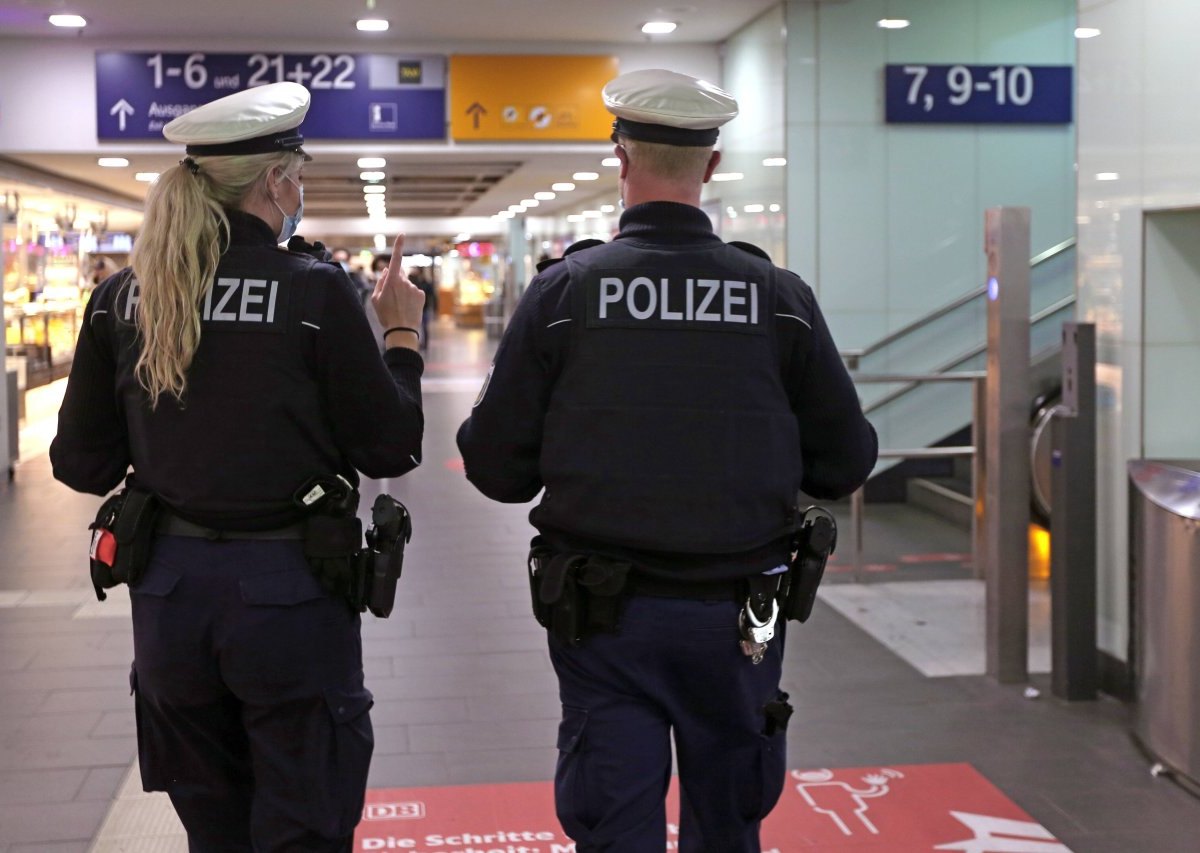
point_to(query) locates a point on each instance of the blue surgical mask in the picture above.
(290, 223)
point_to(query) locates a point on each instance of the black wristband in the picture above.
(402, 329)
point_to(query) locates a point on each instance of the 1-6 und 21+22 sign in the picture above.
(354, 96)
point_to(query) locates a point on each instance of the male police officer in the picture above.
(671, 393)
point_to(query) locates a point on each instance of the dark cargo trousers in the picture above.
(251, 709)
(675, 666)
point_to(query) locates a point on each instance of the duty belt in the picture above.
(173, 525)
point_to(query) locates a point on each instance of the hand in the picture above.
(397, 301)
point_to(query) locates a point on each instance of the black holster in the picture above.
(814, 542)
(576, 595)
(130, 517)
(383, 561)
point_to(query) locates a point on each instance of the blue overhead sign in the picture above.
(978, 94)
(354, 96)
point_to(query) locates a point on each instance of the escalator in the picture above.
(952, 339)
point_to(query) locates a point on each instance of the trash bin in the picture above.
(1164, 499)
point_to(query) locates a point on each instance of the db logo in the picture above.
(394, 811)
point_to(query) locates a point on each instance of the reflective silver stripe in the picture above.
(556, 322)
(310, 325)
(794, 317)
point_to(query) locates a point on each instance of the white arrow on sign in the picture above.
(121, 109)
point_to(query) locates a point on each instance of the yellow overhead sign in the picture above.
(501, 97)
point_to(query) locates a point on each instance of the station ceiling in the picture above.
(425, 180)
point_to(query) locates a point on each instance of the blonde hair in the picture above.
(175, 257)
(682, 163)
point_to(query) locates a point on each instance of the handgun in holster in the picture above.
(814, 541)
(122, 536)
(391, 530)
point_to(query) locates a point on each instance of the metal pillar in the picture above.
(1007, 466)
(1073, 520)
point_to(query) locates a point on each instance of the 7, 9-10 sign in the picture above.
(978, 94)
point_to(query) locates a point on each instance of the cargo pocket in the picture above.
(772, 757)
(572, 789)
(338, 779)
(151, 759)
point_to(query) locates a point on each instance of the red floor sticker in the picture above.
(903, 809)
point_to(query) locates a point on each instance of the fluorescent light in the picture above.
(516, 208)
(753, 208)
(371, 162)
(380, 242)
(893, 23)
(530, 202)
(564, 187)
(575, 217)
(374, 189)
(72, 21)
(586, 176)
(374, 201)
(612, 162)
(146, 177)
(774, 208)
(371, 25)
(592, 214)
(112, 162)
(658, 28)
(462, 237)
(728, 176)
(775, 161)
(371, 176)
(1086, 32)
(1108, 176)
(506, 214)
(544, 196)
(607, 208)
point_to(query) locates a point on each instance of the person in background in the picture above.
(364, 288)
(424, 280)
(233, 374)
(667, 394)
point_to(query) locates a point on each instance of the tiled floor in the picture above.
(465, 694)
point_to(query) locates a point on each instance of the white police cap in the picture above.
(656, 105)
(260, 120)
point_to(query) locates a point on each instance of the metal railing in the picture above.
(977, 378)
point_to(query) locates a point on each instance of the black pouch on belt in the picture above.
(603, 581)
(559, 598)
(134, 531)
(332, 546)
(539, 557)
(103, 551)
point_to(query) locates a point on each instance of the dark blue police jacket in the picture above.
(671, 392)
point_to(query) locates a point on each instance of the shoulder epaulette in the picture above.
(314, 250)
(574, 247)
(751, 248)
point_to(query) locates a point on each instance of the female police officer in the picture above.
(228, 372)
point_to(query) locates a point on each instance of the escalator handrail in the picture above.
(1037, 260)
(954, 362)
